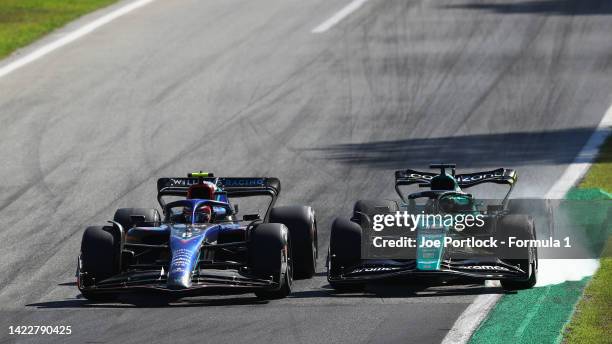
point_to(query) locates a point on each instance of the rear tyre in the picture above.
(344, 251)
(522, 227)
(270, 256)
(539, 209)
(366, 208)
(147, 217)
(302, 224)
(99, 259)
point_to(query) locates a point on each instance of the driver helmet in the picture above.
(201, 214)
(456, 203)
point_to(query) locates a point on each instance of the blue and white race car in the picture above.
(200, 245)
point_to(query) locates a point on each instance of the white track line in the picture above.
(477, 311)
(584, 159)
(71, 37)
(336, 18)
(473, 315)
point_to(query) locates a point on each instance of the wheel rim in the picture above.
(314, 256)
(315, 251)
(289, 271)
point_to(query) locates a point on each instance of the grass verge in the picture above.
(540, 315)
(530, 316)
(24, 21)
(592, 320)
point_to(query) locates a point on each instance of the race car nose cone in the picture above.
(185, 252)
(177, 282)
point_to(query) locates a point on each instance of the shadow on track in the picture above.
(389, 289)
(401, 290)
(543, 7)
(514, 149)
(150, 300)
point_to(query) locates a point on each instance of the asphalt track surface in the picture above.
(244, 88)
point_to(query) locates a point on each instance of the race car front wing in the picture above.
(478, 269)
(205, 281)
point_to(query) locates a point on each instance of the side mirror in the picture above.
(251, 217)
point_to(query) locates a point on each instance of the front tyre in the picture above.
(521, 285)
(522, 227)
(270, 255)
(344, 251)
(99, 260)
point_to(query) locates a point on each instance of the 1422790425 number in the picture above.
(40, 330)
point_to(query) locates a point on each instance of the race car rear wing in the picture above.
(232, 186)
(499, 176)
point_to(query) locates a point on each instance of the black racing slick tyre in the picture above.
(522, 285)
(541, 210)
(366, 208)
(302, 224)
(522, 227)
(98, 260)
(130, 217)
(344, 251)
(270, 257)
